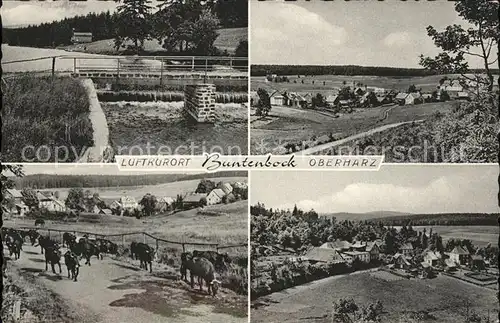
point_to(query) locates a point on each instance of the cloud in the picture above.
(398, 39)
(440, 195)
(286, 30)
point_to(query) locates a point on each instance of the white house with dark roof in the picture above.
(18, 206)
(413, 98)
(215, 196)
(459, 255)
(128, 202)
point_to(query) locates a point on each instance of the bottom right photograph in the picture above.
(407, 243)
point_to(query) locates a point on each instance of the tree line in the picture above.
(349, 70)
(46, 181)
(180, 26)
(441, 219)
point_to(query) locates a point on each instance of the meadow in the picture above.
(480, 235)
(442, 299)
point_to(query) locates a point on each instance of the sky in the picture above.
(402, 188)
(369, 33)
(85, 169)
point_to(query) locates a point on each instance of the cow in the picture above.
(204, 270)
(133, 250)
(53, 256)
(39, 222)
(184, 257)
(72, 264)
(68, 239)
(14, 244)
(33, 236)
(106, 246)
(45, 242)
(85, 248)
(145, 254)
(219, 260)
(16, 235)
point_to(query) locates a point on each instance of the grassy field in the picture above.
(46, 114)
(444, 297)
(293, 125)
(479, 235)
(228, 40)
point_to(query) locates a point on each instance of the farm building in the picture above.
(105, 211)
(323, 255)
(226, 187)
(459, 255)
(215, 196)
(194, 199)
(81, 37)
(332, 100)
(240, 185)
(254, 98)
(339, 245)
(165, 203)
(413, 98)
(401, 98)
(407, 249)
(345, 103)
(401, 261)
(374, 250)
(384, 99)
(128, 202)
(277, 99)
(17, 206)
(432, 258)
(50, 203)
(463, 96)
(115, 205)
(427, 97)
(362, 256)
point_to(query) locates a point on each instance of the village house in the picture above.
(254, 98)
(115, 205)
(105, 211)
(81, 37)
(463, 96)
(407, 250)
(323, 255)
(427, 97)
(297, 101)
(193, 200)
(374, 250)
(240, 185)
(339, 245)
(277, 98)
(376, 90)
(362, 256)
(215, 196)
(165, 203)
(332, 100)
(477, 262)
(401, 98)
(50, 203)
(452, 87)
(401, 261)
(413, 98)
(459, 255)
(227, 188)
(345, 103)
(128, 202)
(18, 206)
(383, 99)
(432, 258)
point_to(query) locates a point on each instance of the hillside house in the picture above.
(240, 185)
(79, 37)
(50, 203)
(104, 211)
(413, 98)
(452, 88)
(254, 98)
(432, 258)
(384, 99)
(362, 256)
(128, 203)
(227, 188)
(407, 250)
(376, 90)
(323, 255)
(193, 200)
(332, 100)
(165, 204)
(297, 101)
(277, 98)
(401, 261)
(115, 205)
(463, 96)
(215, 196)
(374, 250)
(345, 103)
(401, 98)
(339, 245)
(17, 206)
(450, 264)
(459, 255)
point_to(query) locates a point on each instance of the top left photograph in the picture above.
(86, 81)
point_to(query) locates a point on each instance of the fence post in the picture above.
(161, 73)
(156, 245)
(183, 248)
(53, 66)
(192, 63)
(74, 65)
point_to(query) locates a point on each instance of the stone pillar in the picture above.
(199, 102)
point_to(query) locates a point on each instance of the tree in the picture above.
(205, 186)
(204, 33)
(344, 310)
(458, 43)
(30, 198)
(76, 199)
(148, 203)
(134, 23)
(264, 105)
(412, 88)
(318, 101)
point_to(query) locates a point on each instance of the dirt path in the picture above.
(336, 143)
(118, 292)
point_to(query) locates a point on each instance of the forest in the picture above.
(45, 181)
(350, 70)
(174, 23)
(441, 219)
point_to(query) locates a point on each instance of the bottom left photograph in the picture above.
(90, 243)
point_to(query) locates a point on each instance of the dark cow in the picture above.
(14, 244)
(145, 254)
(184, 258)
(204, 270)
(72, 264)
(53, 256)
(219, 260)
(133, 250)
(39, 222)
(68, 239)
(45, 243)
(33, 236)
(16, 235)
(106, 246)
(85, 248)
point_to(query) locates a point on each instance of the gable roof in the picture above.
(371, 245)
(332, 98)
(15, 193)
(166, 200)
(407, 246)
(127, 200)
(458, 250)
(323, 255)
(195, 197)
(218, 192)
(401, 95)
(415, 95)
(337, 244)
(432, 255)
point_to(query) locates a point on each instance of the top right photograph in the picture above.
(416, 82)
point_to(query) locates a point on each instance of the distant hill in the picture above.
(440, 219)
(340, 216)
(46, 181)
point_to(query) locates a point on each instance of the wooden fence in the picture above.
(121, 236)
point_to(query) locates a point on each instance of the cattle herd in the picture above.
(202, 265)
